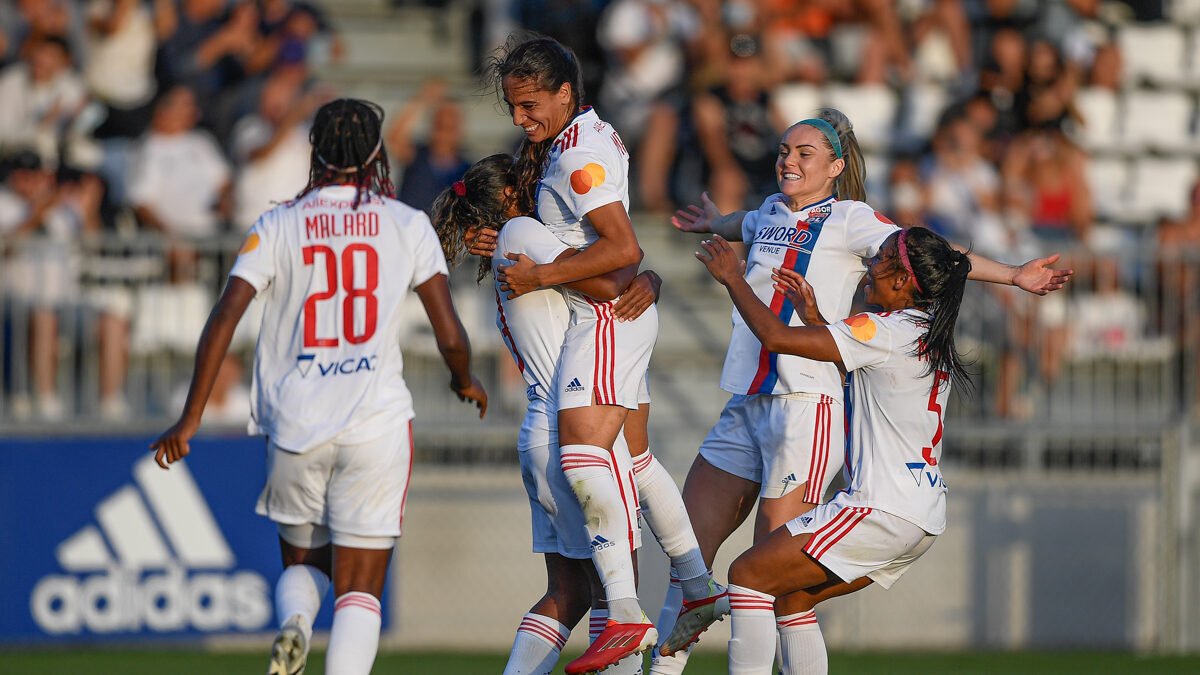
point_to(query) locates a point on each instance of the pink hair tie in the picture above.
(460, 188)
(904, 259)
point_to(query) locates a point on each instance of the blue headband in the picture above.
(827, 129)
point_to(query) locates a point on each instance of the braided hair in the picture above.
(941, 276)
(479, 200)
(346, 138)
(547, 63)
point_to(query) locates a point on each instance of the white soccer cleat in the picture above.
(695, 617)
(289, 653)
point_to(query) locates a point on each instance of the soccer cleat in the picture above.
(290, 651)
(615, 642)
(695, 617)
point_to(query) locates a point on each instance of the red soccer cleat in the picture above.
(615, 642)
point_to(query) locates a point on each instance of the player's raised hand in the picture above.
(797, 290)
(1038, 277)
(642, 292)
(697, 218)
(520, 277)
(472, 391)
(172, 445)
(481, 241)
(722, 262)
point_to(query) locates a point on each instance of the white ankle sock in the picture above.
(354, 639)
(803, 645)
(589, 470)
(299, 592)
(752, 646)
(663, 509)
(674, 664)
(535, 650)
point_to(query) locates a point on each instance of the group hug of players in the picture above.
(813, 391)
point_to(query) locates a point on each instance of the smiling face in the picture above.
(805, 167)
(883, 272)
(540, 113)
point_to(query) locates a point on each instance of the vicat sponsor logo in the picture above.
(349, 366)
(155, 560)
(925, 475)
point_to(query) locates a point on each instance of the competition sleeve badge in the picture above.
(590, 176)
(862, 327)
(250, 244)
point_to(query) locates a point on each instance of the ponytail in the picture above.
(941, 275)
(851, 184)
(475, 202)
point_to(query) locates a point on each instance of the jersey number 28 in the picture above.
(367, 293)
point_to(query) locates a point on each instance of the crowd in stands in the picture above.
(185, 119)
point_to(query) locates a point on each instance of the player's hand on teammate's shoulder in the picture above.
(697, 218)
(481, 242)
(638, 297)
(797, 290)
(519, 277)
(471, 391)
(1038, 277)
(172, 445)
(722, 261)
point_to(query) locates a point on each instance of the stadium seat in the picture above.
(1108, 180)
(1160, 120)
(872, 109)
(1101, 110)
(1152, 52)
(924, 103)
(797, 101)
(1161, 188)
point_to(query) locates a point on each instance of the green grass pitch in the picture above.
(152, 662)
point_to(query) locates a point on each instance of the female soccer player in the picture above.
(334, 267)
(781, 435)
(901, 364)
(573, 173)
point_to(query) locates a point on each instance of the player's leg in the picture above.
(307, 563)
(800, 636)
(360, 566)
(544, 630)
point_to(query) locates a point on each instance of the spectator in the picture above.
(907, 199)
(271, 147)
(1045, 185)
(179, 181)
(120, 65)
(739, 129)
(434, 165)
(41, 95)
(204, 47)
(964, 191)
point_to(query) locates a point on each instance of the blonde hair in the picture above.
(852, 183)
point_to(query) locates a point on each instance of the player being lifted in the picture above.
(334, 267)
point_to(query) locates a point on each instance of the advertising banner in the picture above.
(99, 543)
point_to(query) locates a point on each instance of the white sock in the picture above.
(535, 650)
(663, 509)
(597, 620)
(589, 471)
(803, 646)
(752, 646)
(674, 664)
(298, 593)
(354, 639)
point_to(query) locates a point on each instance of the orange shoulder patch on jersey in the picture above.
(588, 177)
(250, 244)
(862, 327)
(883, 219)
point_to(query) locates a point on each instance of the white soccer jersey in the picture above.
(828, 243)
(587, 168)
(328, 365)
(533, 324)
(896, 411)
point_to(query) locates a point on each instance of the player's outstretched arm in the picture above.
(1036, 276)
(708, 218)
(452, 340)
(172, 445)
(813, 342)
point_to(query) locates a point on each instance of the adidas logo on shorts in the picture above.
(805, 520)
(791, 477)
(574, 385)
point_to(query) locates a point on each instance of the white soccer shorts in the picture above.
(355, 489)
(557, 519)
(605, 359)
(854, 542)
(780, 442)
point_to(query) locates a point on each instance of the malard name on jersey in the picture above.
(353, 224)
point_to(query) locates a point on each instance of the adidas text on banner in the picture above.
(615, 642)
